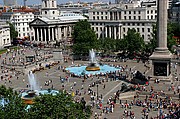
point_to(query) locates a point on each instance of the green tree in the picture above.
(60, 106)
(13, 107)
(133, 42)
(173, 29)
(13, 32)
(84, 38)
(107, 45)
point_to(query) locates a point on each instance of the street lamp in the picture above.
(97, 91)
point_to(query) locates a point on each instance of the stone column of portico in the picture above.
(60, 34)
(37, 31)
(56, 33)
(110, 28)
(41, 34)
(49, 35)
(52, 31)
(115, 34)
(119, 35)
(106, 31)
(161, 57)
(45, 35)
(70, 31)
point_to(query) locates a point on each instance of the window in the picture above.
(97, 29)
(102, 17)
(106, 13)
(101, 28)
(97, 17)
(151, 11)
(128, 24)
(147, 17)
(129, 17)
(129, 12)
(24, 34)
(143, 36)
(124, 12)
(106, 17)
(45, 3)
(137, 29)
(124, 30)
(102, 13)
(142, 29)
(27, 29)
(23, 29)
(52, 3)
(45, 12)
(148, 12)
(139, 12)
(97, 13)
(93, 17)
(134, 17)
(93, 13)
(151, 16)
(148, 29)
(53, 12)
(125, 17)
(142, 24)
(134, 12)
(139, 17)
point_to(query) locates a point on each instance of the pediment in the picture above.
(38, 21)
(114, 9)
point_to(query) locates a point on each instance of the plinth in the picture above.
(161, 64)
(58, 56)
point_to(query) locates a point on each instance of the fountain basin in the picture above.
(80, 71)
(92, 67)
(29, 96)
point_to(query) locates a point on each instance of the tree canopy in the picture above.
(13, 32)
(132, 42)
(84, 38)
(60, 106)
(172, 29)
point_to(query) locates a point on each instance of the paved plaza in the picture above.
(51, 77)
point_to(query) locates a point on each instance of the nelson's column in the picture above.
(161, 57)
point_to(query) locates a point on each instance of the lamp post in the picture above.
(97, 91)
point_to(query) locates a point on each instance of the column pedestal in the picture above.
(161, 64)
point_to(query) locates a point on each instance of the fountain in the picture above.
(93, 65)
(34, 91)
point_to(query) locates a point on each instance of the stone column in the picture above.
(52, 31)
(45, 35)
(115, 34)
(161, 57)
(37, 30)
(60, 34)
(41, 34)
(106, 31)
(162, 24)
(56, 33)
(110, 31)
(49, 35)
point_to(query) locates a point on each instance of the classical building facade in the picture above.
(20, 21)
(53, 25)
(4, 35)
(114, 22)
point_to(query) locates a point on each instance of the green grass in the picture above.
(2, 51)
(5, 49)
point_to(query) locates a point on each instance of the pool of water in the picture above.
(43, 92)
(79, 71)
